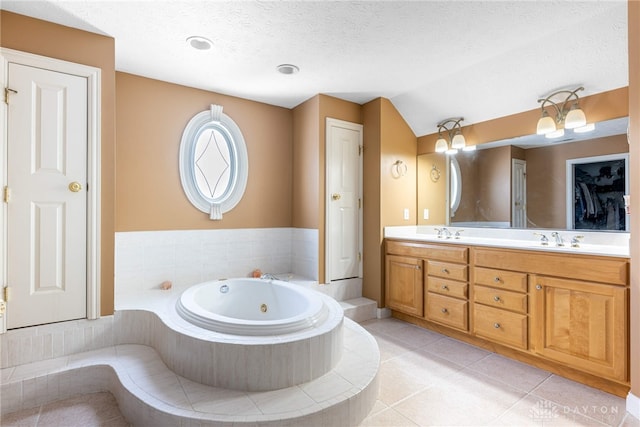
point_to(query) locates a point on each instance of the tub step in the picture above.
(359, 309)
(149, 393)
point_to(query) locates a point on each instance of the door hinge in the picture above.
(7, 91)
(6, 293)
(359, 203)
(6, 194)
(359, 256)
(360, 149)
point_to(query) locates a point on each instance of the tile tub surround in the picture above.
(145, 259)
(148, 393)
(594, 242)
(248, 363)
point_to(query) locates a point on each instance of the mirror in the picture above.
(213, 162)
(522, 182)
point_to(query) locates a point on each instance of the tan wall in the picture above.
(432, 194)
(469, 176)
(309, 152)
(547, 178)
(306, 164)
(387, 138)
(151, 117)
(634, 132)
(494, 178)
(44, 38)
(603, 106)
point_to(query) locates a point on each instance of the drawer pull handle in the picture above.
(496, 298)
(417, 267)
(538, 287)
(445, 311)
(445, 271)
(497, 279)
(445, 287)
(496, 325)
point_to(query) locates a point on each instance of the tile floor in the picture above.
(426, 379)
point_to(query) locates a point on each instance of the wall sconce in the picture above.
(567, 110)
(398, 169)
(451, 128)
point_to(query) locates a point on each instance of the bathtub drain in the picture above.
(263, 308)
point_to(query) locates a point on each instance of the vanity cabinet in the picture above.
(567, 312)
(403, 284)
(581, 324)
(444, 298)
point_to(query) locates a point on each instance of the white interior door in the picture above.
(518, 193)
(47, 210)
(344, 189)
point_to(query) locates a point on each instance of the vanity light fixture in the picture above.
(453, 130)
(567, 113)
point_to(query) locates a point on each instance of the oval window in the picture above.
(213, 162)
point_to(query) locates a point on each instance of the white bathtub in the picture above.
(253, 307)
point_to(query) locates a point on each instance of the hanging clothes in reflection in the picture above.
(598, 191)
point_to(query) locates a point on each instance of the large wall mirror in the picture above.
(575, 182)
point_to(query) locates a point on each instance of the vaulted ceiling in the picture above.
(432, 59)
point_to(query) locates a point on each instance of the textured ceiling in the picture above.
(432, 59)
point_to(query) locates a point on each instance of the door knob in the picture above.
(75, 186)
(335, 196)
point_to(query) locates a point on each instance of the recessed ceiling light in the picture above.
(200, 43)
(287, 69)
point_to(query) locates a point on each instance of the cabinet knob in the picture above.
(496, 298)
(417, 267)
(445, 271)
(497, 279)
(445, 287)
(445, 311)
(538, 287)
(496, 325)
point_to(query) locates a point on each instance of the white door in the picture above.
(518, 193)
(47, 208)
(344, 188)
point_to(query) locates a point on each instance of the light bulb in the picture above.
(545, 125)
(441, 145)
(575, 119)
(458, 141)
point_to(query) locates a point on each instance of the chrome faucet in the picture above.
(443, 232)
(544, 240)
(559, 240)
(457, 235)
(575, 241)
(267, 276)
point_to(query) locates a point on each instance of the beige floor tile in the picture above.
(533, 411)
(24, 418)
(630, 421)
(415, 336)
(391, 347)
(87, 410)
(517, 374)
(385, 326)
(456, 351)
(387, 418)
(397, 384)
(573, 397)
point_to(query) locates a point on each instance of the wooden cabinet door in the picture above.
(403, 284)
(581, 324)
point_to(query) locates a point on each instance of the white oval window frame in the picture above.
(214, 118)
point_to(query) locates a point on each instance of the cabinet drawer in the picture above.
(498, 298)
(500, 325)
(447, 310)
(453, 253)
(447, 270)
(447, 287)
(501, 279)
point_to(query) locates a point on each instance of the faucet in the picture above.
(457, 235)
(544, 241)
(575, 241)
(267, 276)
(444, 231)
(559, 241)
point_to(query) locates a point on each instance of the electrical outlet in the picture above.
(406, 213)
(425, 214)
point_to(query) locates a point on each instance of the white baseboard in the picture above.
(633, 405)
